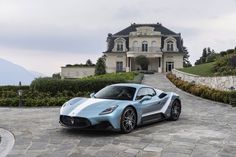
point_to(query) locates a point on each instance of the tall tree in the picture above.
(186, 57)
(56, 75)
(100, 67)
(89, 62)
(204, 55)
(208, 55)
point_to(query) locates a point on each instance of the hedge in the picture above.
(204, 91)
(54, 92)
(89, 84)
(56, 85)
(47, 101)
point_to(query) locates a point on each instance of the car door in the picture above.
(147, 106)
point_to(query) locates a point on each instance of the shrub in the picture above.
(9, 102)
(100, 67)
(225, 65)
(88, 84)
(233, 98)
(54, 92)
(204, 91)
(80, 85)
(138, 78)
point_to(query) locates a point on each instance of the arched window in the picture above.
(145, 46)
(170, 46)
(120, 46)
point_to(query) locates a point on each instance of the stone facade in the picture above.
(77, 72)
(112, 58)
(161, 46)
(219, 82)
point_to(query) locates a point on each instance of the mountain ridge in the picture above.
(12, 74)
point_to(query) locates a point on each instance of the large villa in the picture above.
(162, 47)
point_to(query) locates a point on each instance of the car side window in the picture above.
(151, 92)
(144, 92)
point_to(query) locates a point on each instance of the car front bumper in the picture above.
(85, 123)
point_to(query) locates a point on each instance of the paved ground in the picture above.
(205, 129)
(6, 142)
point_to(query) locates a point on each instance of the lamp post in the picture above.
(233, 96)
(20, 92)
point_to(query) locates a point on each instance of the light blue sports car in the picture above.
(120, 107)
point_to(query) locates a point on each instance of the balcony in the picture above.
(150, 49)
(152, 52)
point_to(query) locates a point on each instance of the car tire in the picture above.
(128, 120)
(175, 110)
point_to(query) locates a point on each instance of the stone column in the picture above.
(159, 63)
(128, 64)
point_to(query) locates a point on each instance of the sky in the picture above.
(43, 35)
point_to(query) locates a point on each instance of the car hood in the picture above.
(90, 106)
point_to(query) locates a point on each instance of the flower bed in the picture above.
(204, 91)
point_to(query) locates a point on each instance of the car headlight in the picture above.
(109, 110)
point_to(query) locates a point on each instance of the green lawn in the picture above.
(202, 69)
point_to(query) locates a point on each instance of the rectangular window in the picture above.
(119, 66)
(120, 47)
(159, 62)
(145, 47)
(169, 66)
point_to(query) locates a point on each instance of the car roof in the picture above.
(134, 85)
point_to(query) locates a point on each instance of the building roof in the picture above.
(157, 27)
(132, 28)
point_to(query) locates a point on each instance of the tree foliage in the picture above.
(89, 62)
(186, 57)
(56, 76)
(100, 67)
(208, 55)
(142, 61)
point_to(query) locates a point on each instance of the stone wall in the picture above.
(77, 72)
(175, 57)
(217, 82)
(112, 58)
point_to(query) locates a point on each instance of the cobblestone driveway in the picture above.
(205, 129)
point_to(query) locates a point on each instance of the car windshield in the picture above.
(116, 92)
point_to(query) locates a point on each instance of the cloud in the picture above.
(78, 28)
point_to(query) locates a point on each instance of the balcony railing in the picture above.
(150, 49)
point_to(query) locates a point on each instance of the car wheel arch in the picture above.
(134, 111)
(177, 99)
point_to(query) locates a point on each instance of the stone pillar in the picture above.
(128, 66)
(159, 65)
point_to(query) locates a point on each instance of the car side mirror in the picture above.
(92, 95)
(145, 98)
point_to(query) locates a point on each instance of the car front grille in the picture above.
(77, 122)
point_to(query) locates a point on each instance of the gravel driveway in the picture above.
(205, 129)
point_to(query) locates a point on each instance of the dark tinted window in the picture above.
(116, 92)
(145, 91)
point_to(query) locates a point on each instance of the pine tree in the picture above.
(100, 67)
(186, 57)
(89, 62)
